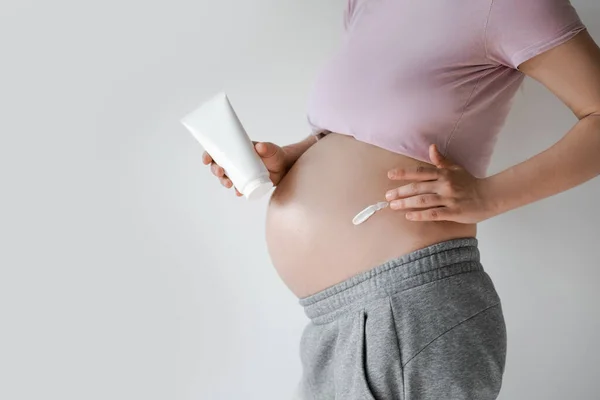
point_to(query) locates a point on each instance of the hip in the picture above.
(428, 324)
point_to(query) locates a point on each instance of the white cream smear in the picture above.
(368, 212)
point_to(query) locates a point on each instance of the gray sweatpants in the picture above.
(425, 326)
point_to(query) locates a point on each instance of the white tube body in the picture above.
(218, 129)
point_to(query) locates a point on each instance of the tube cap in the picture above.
(257, 188)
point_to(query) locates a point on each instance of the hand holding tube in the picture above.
(273, 156)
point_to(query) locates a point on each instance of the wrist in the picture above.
(491, 202)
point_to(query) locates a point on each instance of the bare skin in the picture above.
(311, 239)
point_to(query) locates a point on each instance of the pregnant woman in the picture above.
(407, 111)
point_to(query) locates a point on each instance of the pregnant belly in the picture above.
(310, 236)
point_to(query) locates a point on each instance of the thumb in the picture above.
(438, 159)
(271, 154)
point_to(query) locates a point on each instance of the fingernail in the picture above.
(390, 174)
(389, 196)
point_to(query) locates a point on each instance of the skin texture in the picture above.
(322, 185)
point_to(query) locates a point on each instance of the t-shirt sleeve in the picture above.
(518, 30)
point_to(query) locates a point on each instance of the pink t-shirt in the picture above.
(411, 73)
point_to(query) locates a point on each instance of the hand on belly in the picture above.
(310, 235)
(444, 191)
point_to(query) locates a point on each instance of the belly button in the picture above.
(368, 212)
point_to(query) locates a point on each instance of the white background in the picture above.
(128, 272)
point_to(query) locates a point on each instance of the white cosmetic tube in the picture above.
(218, 129)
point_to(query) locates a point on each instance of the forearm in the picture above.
(294, 151)
(570, 162)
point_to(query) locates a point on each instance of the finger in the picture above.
(436, 156)
(265, 149)
(271, 154)
(420, 201)
(432, 214)
(412, 189)
(217, 170)
(419, 172)
(206, 158)
(237, 193)
(439, 160)
(226, 182)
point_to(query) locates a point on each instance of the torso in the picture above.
(408, 74)
(310, 235)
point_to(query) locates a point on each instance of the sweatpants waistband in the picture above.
(437, 261)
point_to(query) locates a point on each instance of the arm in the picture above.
(572, 72)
